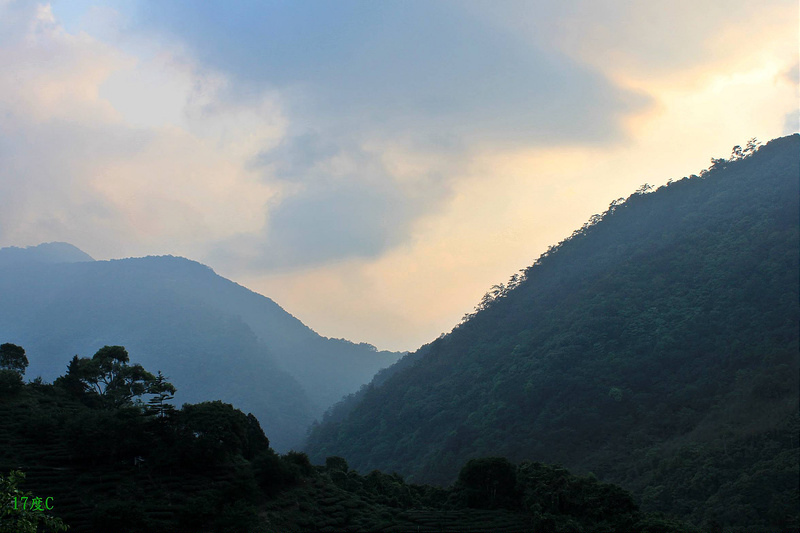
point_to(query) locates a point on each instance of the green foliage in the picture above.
(19, 510)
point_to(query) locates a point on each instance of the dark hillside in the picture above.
(106, 462)
(657, 348)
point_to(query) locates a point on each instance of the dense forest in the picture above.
(656, 348)
(103, 449)
(214, 338)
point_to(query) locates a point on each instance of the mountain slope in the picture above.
(657, 347)
(326, 368)
(208, 334)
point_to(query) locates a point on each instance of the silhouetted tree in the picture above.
(108, 376)
(163, 391)
(12, 357)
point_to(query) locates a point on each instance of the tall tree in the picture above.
(162, 392)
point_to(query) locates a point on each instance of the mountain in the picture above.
(50, 252)
(213, 338)
(657, 348)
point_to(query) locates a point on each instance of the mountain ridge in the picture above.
(208, 334)
(658, 328)
(47, 252)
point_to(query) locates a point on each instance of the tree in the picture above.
(12, 357)
(108, 376)
(213, 432)
(163, 391)
(752, 147)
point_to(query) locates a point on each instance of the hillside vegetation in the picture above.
(107, 451)
(657, 348)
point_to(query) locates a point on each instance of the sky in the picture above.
(372, 166)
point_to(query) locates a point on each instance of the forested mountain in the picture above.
(657, 347)
(211, 337)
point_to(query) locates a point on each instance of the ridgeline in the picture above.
(656, 348)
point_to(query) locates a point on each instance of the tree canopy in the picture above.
(12, 357)
(109, 378)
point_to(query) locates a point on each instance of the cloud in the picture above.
(643, 39)
(73, 167)
(413, 69)
(357, 80)
(791, 122)
(18, 15)
(339, 200)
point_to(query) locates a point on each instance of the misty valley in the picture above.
(641, 375)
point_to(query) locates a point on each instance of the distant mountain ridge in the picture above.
(208, 334)
(49, 252)
(657, 348)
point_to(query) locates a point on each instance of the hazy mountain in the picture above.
(657, 347)
(209, 335)
(49, 252)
